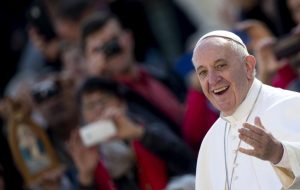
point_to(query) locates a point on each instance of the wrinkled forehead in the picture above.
(218, 46)
(213, 44)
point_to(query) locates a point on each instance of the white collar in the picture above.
(245, 108)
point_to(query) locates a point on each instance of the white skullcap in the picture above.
(222, 34)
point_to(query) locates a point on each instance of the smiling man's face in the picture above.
(224, 74)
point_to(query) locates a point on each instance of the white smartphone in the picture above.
(97, 132)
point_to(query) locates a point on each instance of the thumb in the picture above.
(258, 123)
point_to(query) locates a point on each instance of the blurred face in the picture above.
(73, 63)
(67, 30)
(98, 63)
(225, 76)
(294, 6)
(57, 105)
(95, 104)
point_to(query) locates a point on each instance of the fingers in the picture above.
(251, 130)
(258, 123)
(74, 143)
(250, 140)
(265, 44)
(254, 135)
(111, 113)
(246, 151)
(265, 146)
(250, 152)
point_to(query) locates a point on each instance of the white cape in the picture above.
(279, 111)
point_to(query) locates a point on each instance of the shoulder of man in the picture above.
(276, 95)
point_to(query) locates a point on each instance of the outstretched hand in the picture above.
(265, 146)
(85, 158)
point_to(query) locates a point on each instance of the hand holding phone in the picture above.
(97, 132)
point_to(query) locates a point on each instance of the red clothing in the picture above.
(152, 172)
(284, 76)
(198, 118)
(157, 94)
(102, 178)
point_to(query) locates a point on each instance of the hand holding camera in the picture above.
(110, 48)
(253, 31)
(113, 125)
(85, 158)
(97, 132)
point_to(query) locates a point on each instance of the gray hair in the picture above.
(235, 43)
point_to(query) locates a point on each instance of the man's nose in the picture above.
(213, 78)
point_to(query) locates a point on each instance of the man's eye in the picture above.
(220, 67)
(98, 49)
(202, 74)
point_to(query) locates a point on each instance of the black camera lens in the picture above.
(45, 90)
(38, 17)
(111, 48)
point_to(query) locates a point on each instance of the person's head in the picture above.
(107, 46)
(67, 16)
(54, 98)
(73, 63)
(97, 95)
(294, 7)
(224, 68)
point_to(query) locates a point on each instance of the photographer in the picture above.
(108, 51)
(142, 154)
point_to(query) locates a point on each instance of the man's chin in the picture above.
(225, 109)
(227, 112)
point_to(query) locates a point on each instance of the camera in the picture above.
(97, 132)
(111, 48)
(287, 46)
(38, 17)
(45, 90)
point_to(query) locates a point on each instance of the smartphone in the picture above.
(97, 132)
(287, 46)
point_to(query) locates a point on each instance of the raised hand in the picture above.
(256, 30)
(85, 158)
(126, 128)
(265, 146)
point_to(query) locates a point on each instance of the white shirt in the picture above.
(279, 111)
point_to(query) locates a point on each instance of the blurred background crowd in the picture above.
(69, 63)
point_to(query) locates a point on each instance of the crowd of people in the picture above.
(141, 65)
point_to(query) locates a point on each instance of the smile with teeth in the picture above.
(220, 90)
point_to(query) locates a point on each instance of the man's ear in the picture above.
(250, 66)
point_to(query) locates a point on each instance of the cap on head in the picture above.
(222, 34)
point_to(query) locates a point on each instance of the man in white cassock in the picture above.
(255, 144)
